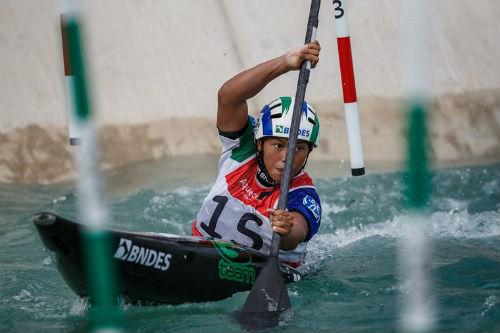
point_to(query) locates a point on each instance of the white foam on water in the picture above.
(328, 208)
(79, 306)
(490, 302)
(461, 224)
(24, 296)
(449, 204)
(59, 199)
(186, 191)
(47, 261)
(443, 224)
(157, 205)
(178, 227)
(492, 187)
(455, 223)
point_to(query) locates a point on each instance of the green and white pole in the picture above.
(105, 315)
(418, 307)
(74, 130)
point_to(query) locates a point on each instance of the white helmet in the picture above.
(275, 119)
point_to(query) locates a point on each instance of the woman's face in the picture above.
(274, 151)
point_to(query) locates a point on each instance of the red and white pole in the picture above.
(349, 87)
(65, 8)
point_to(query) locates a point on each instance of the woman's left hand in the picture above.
(281, 220)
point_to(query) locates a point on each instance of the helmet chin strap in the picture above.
(303, 165)
(263, 175)
(307, 157)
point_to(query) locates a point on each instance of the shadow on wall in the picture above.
(464, 128)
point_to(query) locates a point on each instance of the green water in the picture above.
(352, 282)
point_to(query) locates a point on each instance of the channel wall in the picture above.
(155, 67)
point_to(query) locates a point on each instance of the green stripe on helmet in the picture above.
(286, 101)
(315, 131)
(280, 121)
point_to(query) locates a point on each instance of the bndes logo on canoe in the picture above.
(147, 257)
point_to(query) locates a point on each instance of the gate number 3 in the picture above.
(339, 11)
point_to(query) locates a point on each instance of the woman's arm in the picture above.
(232, 110)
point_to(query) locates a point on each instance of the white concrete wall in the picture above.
(31, 86)
(154, 59)
(155, 67)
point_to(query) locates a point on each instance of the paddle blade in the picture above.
(267, 299)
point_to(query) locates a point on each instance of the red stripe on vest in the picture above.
(243, 185)
(195, 231)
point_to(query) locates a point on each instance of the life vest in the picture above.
(235, 209)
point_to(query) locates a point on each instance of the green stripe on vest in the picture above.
(247, 145)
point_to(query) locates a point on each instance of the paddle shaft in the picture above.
(269, 296)
(305, 69)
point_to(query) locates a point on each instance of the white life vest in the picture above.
(236, 207)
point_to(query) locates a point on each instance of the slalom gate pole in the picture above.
(349, 87)
(74, 130)
(105, 315)
(417, 313)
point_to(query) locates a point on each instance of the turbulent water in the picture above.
(352, 284)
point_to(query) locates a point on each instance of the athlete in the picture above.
(241, 205)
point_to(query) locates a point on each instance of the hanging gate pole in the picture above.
(348, 87)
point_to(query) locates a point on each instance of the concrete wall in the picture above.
(155, 67)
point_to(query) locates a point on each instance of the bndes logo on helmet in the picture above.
(147, 257)
(285, 130)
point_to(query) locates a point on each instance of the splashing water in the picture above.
(352, 283)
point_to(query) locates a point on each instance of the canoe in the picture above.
(157, 267)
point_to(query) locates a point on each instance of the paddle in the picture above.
(269, 296)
